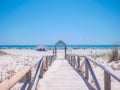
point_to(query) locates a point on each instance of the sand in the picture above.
(16, 59)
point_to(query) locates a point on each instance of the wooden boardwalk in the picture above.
(61, 76)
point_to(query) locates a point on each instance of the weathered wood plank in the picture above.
(107, 81)
(6, 85)
(86, 70)
(107, 69)
(61, 76)
(11, 82)
(93, 74)
(29, 79)
(101, 65)
(78, 61)
(36, 78)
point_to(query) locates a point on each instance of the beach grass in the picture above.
(114, 55)
(2, 53)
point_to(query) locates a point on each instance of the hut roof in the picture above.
(60, 42)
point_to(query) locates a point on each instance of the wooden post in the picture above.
(54, 58)
(86, 70)
(47, 62)
(107, 81)
(41, 72)
(29, 76)
(44, 66)
(78, 62)
(69, 59)
(92, 74)
(50, 60)
(74, 62)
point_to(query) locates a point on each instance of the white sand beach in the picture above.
(16, 59)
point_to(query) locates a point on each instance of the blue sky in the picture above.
(47, 21)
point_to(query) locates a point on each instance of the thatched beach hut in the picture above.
(41, 48)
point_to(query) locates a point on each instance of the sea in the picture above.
(58, 47)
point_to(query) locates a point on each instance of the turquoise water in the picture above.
(59, 47)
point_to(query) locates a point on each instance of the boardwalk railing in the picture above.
(74, 60)
(29, 84)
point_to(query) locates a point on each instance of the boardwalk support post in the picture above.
(107, 81)
(74, 61)
(86, 70)
(93, 74)
(28, 76)
(108, 72)
(78, 62)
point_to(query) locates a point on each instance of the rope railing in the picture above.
(26, 72)
(74, 60)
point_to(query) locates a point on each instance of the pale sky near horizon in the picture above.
(47, 21)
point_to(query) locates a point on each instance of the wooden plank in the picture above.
(28, 83)
(47, 63)
(24, 87)
(40, 71)
(11, 82)
(29, 78)
(50, 60)
(36, 77)
(86, 70)
(108, 72)
(101, 65)
(71, 60)
(107, 81)
(107, 69)
(61, 76)
(74, 61)
(6, 85)
(93, 74)
(78, 61)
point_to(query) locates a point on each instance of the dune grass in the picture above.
(2, 53)
(114, 55)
